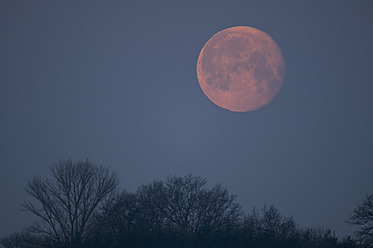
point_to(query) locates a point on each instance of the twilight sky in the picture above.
(115, 82)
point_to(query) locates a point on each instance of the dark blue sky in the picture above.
(115, 81)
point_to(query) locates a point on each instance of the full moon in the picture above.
(240, 69)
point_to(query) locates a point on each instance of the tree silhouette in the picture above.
(186, 205)
(318, 237)
(363, 217)
(118, 219)
(268, 228)
(67, 200)
(79, 206)
(25, 239)
(153, 205)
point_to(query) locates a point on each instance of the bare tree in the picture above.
(25, 239)
(363, 217)
(269, 223)
(152, 202)
(68, 199)
(183, 196)
(218, 209)
(118, 217)
(184, 203)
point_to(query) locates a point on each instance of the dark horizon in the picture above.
(80, 205)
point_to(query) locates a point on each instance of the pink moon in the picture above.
(240, 69)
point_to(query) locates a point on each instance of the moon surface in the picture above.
(240, 69)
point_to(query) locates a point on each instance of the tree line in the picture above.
(80, 205)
